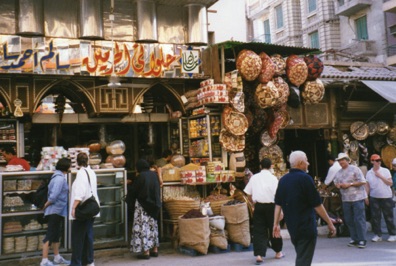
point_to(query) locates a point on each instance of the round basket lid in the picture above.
(236, 123)
(372, 128)
(266, 139)
(359, 130)
(273, 152)
(388, 152)
(382, 128)
(231, 142)
(284, 114)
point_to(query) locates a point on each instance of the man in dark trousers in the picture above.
(297, 196)
(261, 190)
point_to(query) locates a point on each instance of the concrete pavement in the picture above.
(329, 252)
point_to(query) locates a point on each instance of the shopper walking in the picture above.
(145, 192)
(84, 186)
(55, 209)
(261, 190)
(297, 196)
(379, 182)
(351, 182)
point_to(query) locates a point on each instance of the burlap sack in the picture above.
(237, 223)
(218, 238)
(194, 233)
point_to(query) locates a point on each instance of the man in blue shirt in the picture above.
(297, 196)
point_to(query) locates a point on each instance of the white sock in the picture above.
(57, 257)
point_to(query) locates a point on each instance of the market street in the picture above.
(329, 252)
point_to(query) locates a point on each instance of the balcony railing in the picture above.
(391, 50)
(262, 38)
(351, 7)
(361, 48)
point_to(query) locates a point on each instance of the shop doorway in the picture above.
(311, 142)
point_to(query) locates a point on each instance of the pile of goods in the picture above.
(72, 154)
(50, 156)
(194, 213)
(115, 151)
(216, 201)
(94, 155)
(194, 233)
(237, 222)
(12, 227)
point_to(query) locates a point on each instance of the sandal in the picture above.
(280, 257)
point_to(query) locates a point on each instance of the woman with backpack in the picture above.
(55, 209)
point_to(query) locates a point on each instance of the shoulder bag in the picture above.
(89, 208)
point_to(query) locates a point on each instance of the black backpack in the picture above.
(40, 197)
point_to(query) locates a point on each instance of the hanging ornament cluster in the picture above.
(270, 83)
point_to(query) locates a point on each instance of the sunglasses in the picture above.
(375, 161)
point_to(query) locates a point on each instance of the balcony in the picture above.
(257, 8)
(361, 48)
(348, 8)
(389, 6)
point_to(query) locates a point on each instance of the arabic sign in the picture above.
(190, 61)
(96, 58)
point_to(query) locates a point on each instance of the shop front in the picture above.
(72, 83)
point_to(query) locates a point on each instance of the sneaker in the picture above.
(61, 261)
(352, 243)
(91, 264)
(391, 239)
(47, 263)
(361, 244)
(377, 239)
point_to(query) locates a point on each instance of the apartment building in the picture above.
(345, 30)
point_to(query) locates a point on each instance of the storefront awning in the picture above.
(386, 89)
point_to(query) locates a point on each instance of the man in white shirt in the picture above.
(261, 190)
(334, 167)
(378, 186)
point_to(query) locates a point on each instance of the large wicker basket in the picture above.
(216, 205)
(177, 208)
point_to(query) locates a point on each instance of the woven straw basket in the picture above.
(216, 205)
(177, 208)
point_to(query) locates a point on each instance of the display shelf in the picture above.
(112, 221)
(11, 132)
(22, 224)
(26, 232)
(203, 137)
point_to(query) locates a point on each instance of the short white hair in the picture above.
(296, 157)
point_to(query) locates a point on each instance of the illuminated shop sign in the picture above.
(96, 58)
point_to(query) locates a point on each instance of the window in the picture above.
(311, 5)
(267, 31)
(341, 2)
(314, 38)
(279, 16)
(361, 28)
